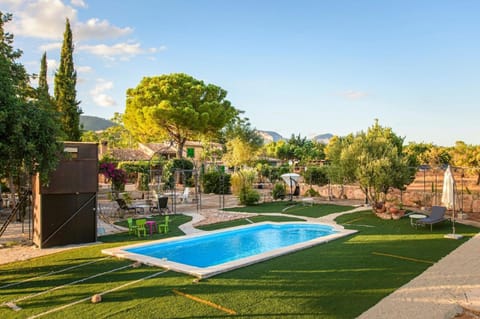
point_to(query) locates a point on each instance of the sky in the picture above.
(293, 66)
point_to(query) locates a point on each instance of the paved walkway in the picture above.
(439, 292)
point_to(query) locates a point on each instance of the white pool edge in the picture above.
(205, 272)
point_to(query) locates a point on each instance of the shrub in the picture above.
(243, 179)
(316, 175)
(278, 191)
(311, 192)
(213, 181)
(172, 166)
(117, 177)
(249, 196)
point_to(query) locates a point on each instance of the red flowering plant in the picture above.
(117, 176)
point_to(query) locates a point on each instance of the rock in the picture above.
(96, 298)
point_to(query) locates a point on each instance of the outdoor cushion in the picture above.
(436, 216)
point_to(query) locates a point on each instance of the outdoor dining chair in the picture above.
(141, 223)
(163, 227)
(132, 227)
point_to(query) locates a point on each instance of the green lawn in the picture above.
(246, 221)
(340, 279)
(292, 208)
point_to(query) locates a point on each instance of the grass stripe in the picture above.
(52, 272)
(405, 258)
(205, 302)
(353, 220)
(65, 285)
(101, 294)
(288, 207)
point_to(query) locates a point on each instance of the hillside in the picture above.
(94, 123)
(322, 138)
(270, 136)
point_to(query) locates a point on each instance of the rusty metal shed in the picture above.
(64, 212)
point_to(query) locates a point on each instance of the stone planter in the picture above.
(398, 214)
(393, 210)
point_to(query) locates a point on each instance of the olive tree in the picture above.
(374, 160)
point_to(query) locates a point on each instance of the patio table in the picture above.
(152, 225)
(414, 218)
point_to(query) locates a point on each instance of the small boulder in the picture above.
(96, 298)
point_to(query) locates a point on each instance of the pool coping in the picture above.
(206, 272)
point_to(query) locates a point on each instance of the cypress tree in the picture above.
(65, 92)
(42, 79)
(44, 98)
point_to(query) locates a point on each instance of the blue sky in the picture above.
(294, 67)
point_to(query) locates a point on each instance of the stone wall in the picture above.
(409, 198)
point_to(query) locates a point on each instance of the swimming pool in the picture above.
(207, 254)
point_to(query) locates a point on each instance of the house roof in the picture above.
(161, 148)
(129, 155)
(144, 152)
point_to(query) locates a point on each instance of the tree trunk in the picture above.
(180, 146)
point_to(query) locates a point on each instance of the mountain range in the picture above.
(94, 123)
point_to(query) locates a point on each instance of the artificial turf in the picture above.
(292, 208)
(340, 279)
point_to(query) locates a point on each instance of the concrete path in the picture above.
(440, 291)
(188, 228)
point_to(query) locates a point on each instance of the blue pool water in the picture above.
(215, 249)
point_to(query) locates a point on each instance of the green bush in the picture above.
(174, 165)
(243, 178)
(278, 191)
(315, 175)
(249, 196)
(212, 182)
(311, 192)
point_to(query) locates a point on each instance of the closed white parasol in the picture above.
(448, 193)
(448, 198)
(292, 180)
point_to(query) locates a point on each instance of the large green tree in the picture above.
(242, 143)
(467, 156)
(65, 92)
(176, 107)
(28, 132)
(375, 161)
(300, 149)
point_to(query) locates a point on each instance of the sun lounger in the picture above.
(436, 216)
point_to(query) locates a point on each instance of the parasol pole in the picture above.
(453, 235)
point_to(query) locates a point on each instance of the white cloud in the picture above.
(30, 16)
(51, 46)
(96, 29)
(121, 50)
(52, 65)
(354, 95)
(98, 93)
(9, 3)
(84, 69)
(78, 3)
(104, 100)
